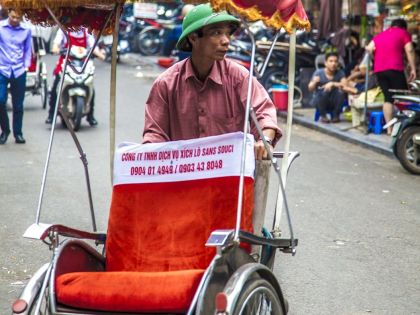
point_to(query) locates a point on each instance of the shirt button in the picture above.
(201, 111)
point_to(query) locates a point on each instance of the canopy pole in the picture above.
(285, 160)
(113, 92)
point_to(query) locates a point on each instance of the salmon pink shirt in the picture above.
(181, 107)
(389, 49)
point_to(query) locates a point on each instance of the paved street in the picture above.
(356, 212)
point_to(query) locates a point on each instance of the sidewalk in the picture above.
(342, 130)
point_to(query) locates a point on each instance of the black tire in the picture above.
(78, 113)
(44, 93)
(258, 297)
(408, 153)
(149, 41)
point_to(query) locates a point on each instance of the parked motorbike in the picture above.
(78, 90)
(123, 47)
(406, 129)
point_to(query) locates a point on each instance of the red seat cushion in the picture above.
(129, 291)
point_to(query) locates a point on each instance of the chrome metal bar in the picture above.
(270, 52)
(246, 128)
(366, 89)
(47, 162)
(85, 166)
(113, 95)
(43, 288)
(202, 285)
(291, 87)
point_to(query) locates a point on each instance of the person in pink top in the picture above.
(388, 48)
(205, 95)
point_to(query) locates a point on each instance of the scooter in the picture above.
(406, 129)
(78, 90)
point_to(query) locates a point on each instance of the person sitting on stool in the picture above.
(327, 84)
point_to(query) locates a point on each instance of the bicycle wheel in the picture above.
(258, 297)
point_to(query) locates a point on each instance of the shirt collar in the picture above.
(5, 23)
(215, 73)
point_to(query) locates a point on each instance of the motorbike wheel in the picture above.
(408, 153)
(44, 93)
(149, 41)
(276, 75)
(77, 117)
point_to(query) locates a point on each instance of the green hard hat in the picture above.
(199, 17)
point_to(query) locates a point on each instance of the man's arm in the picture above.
(27, 45)
(266, 115)
(156, 121)
(370, 48)
(315, 80)
(411, 57)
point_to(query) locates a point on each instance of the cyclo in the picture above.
(178, 242)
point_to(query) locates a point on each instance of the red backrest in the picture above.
(32, 67)
(161, 222)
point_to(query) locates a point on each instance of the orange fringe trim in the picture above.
(53, 4)
(253, 14)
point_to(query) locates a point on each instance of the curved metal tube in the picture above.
(237, 281)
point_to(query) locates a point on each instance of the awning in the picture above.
(91, 13)
(288, 14)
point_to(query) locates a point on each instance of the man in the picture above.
(327, 84)
(388, 48)
(15, 58)
(205, 95)
(77, 38)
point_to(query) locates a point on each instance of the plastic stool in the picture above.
(376, 122)
(318, 115)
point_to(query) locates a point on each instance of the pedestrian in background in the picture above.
(388, 50)
(327, 84)
(15, 58)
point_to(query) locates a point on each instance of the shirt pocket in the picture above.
(221, 125)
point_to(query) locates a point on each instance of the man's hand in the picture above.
(260, 151)
(99, 53)
(314, 83)
(55, 49)
(329, 86)
(412, 76)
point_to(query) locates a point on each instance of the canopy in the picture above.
(71, 13)
(274, 13)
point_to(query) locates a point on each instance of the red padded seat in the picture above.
(129, 291)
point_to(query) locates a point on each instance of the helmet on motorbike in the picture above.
(202, 15)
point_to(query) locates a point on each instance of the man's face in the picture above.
(214, 43)
(14, 18)
(331, 63)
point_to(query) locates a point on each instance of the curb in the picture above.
(342, 135)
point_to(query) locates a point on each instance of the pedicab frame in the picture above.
(40, 231)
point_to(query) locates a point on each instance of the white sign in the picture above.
(210, 157)
(145, 10)
(372, 9)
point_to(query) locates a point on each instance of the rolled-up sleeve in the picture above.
(156, 121)
(263, 107)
